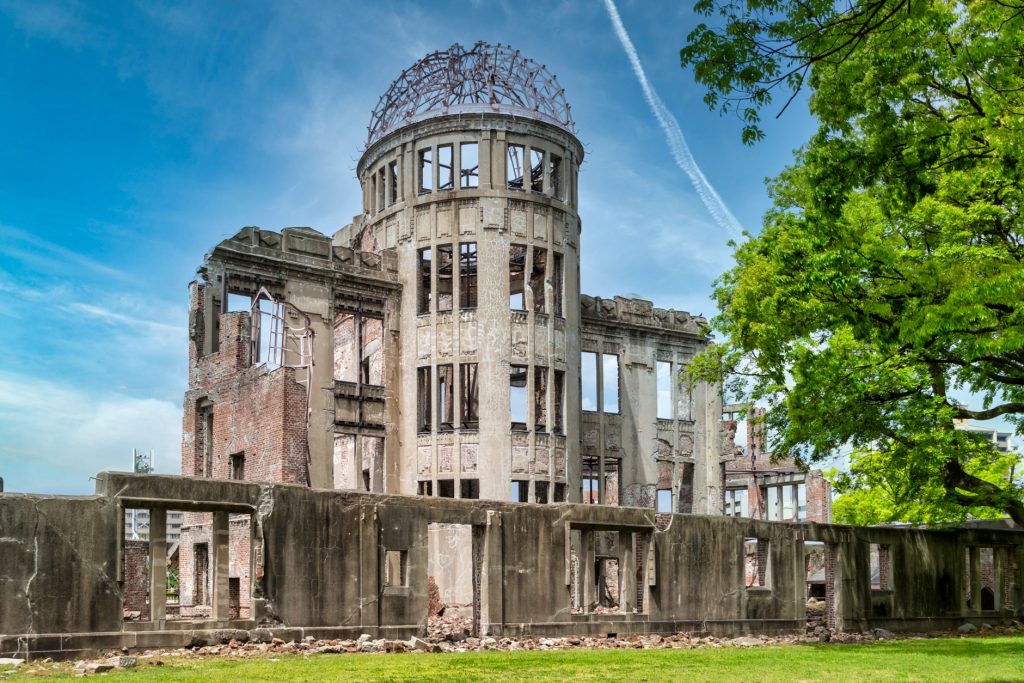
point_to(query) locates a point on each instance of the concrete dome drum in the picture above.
(482, 79)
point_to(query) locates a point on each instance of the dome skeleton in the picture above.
(484, 78)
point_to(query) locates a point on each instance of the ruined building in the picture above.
(417, 412)
(439, 345)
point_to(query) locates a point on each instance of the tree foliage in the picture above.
(887, 275)
(879, 489)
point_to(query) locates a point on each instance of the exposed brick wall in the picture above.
(257, 413)
(136, 578)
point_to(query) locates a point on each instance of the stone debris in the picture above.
(365, 643)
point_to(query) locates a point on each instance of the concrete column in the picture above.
(157, 565)
(587, 559)
(369, 566)
(219, 565)
(975, 555)
(491, 580)
(627, 572)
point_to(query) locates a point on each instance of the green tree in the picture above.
(878, 489)
(887, 274)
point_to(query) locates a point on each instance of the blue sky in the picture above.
(135, 137)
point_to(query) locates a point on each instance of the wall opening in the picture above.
(540, 398)
(393, 180)
(445, 267)
(610, 384)
(445, 398)
(467, 275)
(555, 175)
(556, 285)
(664, 379)
(470, 162)
(520, 491)
(514, 166)
(880, 567)
(757, 573)
(469, 488)
(588, 381)
(454, 569)
(446, 488)
(470, 397)
(517, 377)
(814, 576)
(537, 275)
(426, 171)
(424, 280)
(540, 492)
(423, 417)
(445, 168)
(537, 170)
(516, 277)
(396, 568)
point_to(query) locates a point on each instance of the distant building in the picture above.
(136, 521)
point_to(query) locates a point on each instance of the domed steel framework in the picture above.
(483, 78)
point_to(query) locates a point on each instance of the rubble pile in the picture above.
(453, 636)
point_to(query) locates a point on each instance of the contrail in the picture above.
(674, 134)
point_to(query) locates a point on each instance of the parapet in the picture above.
(641, 313)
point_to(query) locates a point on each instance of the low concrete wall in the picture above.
(323, 568)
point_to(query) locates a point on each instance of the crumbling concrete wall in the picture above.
(342, 563)
(59, 558)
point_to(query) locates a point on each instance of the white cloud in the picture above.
(56, 437)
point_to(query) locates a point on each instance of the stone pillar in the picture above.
(589, 592)
(157, 565)
(627, 572)
(219, 548)
(975, 560)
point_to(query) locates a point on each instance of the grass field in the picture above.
(949, 659)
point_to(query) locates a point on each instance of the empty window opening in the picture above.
(396, 568)
(393, 181)
(517, 396)
(469, 488)
(540, 491)
(664, 504)
(987, 568)
(520, 491)
(423, 400)
(516, 277)
(269, 331)
(372, 364)
(373, 194)
(558, 401)
(345, 348)
(238, 302)
(786, 502)
(881, 571)
(470, 161)
(424, 280)
(540, 398)
(382, 184)
(588, 379)
(372, 456)
(610, 384)
(205, 428)
(453, 576)
(589, 492)
(470, 397)
(201, 574)
(556, 285)
(537, 170)
(736, 503)
(446, 488)
(445, 397)
(559, 493)
(445, 168)
(445, 267)
(426, 172)
(238, 466)
(755, 557)
(514, 166)
(425, 488)
(814, 566)
(537, 275)
(555, 175)
(467, 275)
(596, 483)
(664, 377)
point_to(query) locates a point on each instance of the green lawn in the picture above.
(950, 659)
